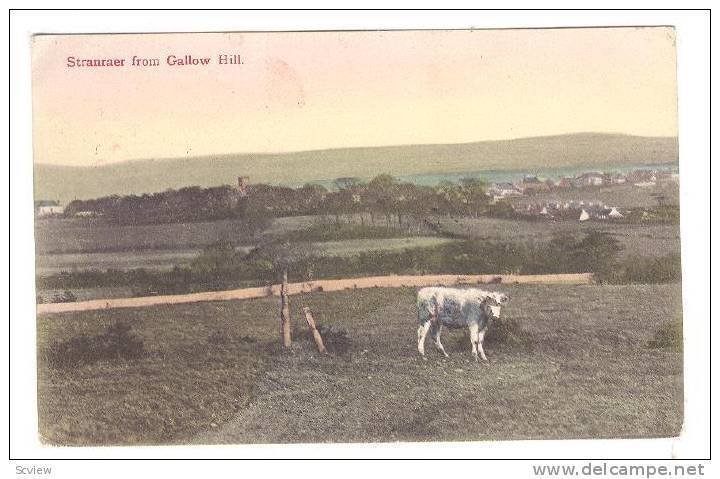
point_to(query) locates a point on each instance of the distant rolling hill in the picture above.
(65, 183)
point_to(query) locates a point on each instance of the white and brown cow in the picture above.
(470, 308)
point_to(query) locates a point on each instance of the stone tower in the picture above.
(243, 186)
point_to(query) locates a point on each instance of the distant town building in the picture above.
(590, 179)
(564, 182)
(614, 213)
(532, 184)
(618, 179)
(504, 190)
(666, 176)
(642, 177)
(47, 208)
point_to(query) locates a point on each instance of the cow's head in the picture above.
(493, 302)
(500, 298)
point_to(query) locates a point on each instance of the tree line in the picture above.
(383, 198)
(171, 206)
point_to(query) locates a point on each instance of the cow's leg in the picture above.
(422, 332)
(436, 337)
(473, 327)
(481, 338)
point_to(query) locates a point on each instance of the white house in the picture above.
(47, 208)
(592, 178)
(504, 190)
(614, 213)
(618, 179)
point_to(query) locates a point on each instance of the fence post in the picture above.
(316, 334)
(285, 312)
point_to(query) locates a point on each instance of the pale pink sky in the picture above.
(300, 91)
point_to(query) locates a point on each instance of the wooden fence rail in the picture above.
(392, 281)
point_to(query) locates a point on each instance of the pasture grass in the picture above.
(82, 236)
(186, 380)
(352, 247)
(323, 232)
(214, 373)
(637, 240)
(152, 260)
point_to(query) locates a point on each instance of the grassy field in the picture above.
(67, 236)
(84, 294)
(46, 264)
(66, 245)
(212, 373)
(637, 240)
(75, 236)
(355, 246)
(282, 226)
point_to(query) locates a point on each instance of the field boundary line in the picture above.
(323, 285)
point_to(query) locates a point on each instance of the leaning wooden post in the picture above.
(285, 313)
(315, 332)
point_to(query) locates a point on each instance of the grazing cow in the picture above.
(457, 308)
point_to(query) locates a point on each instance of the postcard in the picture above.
(357, 236)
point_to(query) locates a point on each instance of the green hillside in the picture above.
(65, 183)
